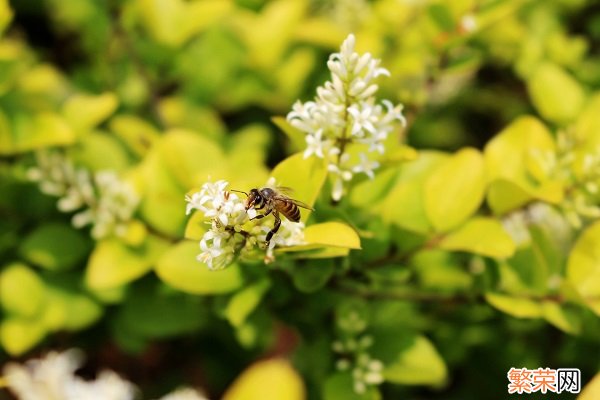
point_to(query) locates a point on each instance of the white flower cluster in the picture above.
(579, 174)
(345, 112)
(232, 233)
(104, 201)
(53, 378)
(366, 370)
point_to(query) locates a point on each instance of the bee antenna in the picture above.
(239, 191)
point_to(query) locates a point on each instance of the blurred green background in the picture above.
(168, 93)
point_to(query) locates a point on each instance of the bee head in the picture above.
(254, 199)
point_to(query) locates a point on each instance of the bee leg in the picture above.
(259, 216)
(275, 228)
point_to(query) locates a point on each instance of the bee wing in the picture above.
(301, 204)
(284, 190)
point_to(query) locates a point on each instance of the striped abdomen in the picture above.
(288, 209)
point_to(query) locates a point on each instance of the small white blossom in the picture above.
(105, 201)
(315, 144)
(345, 112)
(367, 166)
(184, 394)
(53, 378)
(234, 231)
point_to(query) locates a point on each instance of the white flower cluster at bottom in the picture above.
(232, 231)
(53, 377)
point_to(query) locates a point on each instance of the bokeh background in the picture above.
(169, 92)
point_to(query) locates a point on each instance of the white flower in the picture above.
(367, 166)
(184, 394)
(340, 176)
(315, 144)
(364, 118)
(105, 202)
(53, 378)
(344, 112)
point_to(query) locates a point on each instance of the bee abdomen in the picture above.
(291, 212)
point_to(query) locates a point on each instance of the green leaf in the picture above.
(179, 313)
(587, 127)
(334, 234)
(68, 308)
(191, 157)
(305, 176)
(22, 292)
(520, 307)
(484, 236)
(242, 303)
(440, 14)
(196, 226)
(19, 335)
(179, 268)
(404, 205)
(296, 136)
(340, 386)
(6, 15)
(55, 246)
(268, 35)
(312, 276)
(591, 391)
(419, 364)
(504, 196)
(583, 266)
(455, 189)
(507, 161)
(441, 271)
(272, 379)
(138, 134)
(113, 264)
(30, 132)
(100, 151)
(172, 22)
(561, 317)
(557, 95)
(163, 204)
(84, 112)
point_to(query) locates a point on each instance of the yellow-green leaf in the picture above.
(455, 189)
(112, 263)
(31, 132)
(591, 391)
(22, 291)
(54, 246)
(18, 335)
(69, 309)
(163, 204)
(583, 266)
(484, 236)
(508, 157)
(296, 136)
(6, 15)
(85, 112)
(179, 268)
(191, 157)
(273, 379)
(244, 302)
(519, 307)
(561, 317)
(557, 95)
(137, 133)
(334, 234)
(404, 204)
(420, 364)
(304, 176)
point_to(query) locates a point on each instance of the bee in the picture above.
(274, 201)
